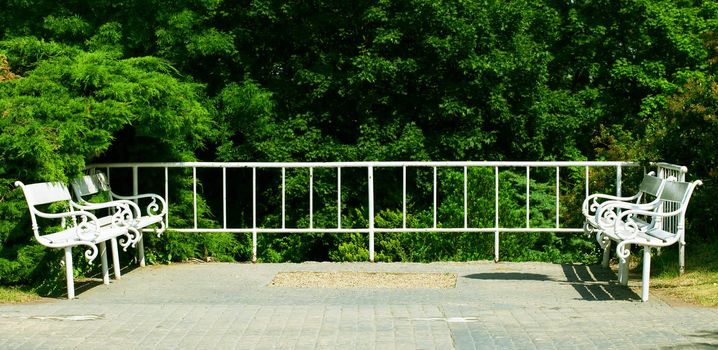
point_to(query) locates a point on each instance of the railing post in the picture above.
(140, 242)
(466, 197)
(403, 196)
(311, 198)
(435, 190)
(557, 195)
(194, 195)
(496, 212)
(371, 212)
(339, 197)
(618, 181)
(167, 198)
(224, 197)
(528, 197)
(254, 214)
(284, 176)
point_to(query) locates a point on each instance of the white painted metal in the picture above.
(557, 196)
(224, 197)
(311, 197)
(528, 197)
(466, 198)
(435, 188)
(339, 197)
(415, 164)
(140, 241)
(69, 272)
(167, 194)
(284, 202)
(496, 212)
(587, 182)
(370, 167)
(403, 196)
(254, 215)
(194, 194)
(80, 227)
(370, 171)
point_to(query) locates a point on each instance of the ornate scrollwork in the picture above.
(622, 251)
(153, 208)
(91, 252)
(602, 240)
(86, 229)
(160, 229)
(594, 206)
(608, 217)
(629, 230)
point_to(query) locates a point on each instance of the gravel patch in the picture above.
(353, 279)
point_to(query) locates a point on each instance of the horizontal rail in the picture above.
(502, 164)
(368, 181)
(377, 230)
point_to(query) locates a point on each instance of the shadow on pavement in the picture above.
(705, 340)
(596, 283)
(592, 282)
(509, 276)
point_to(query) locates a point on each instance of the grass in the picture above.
(698, 285)
(14, 294)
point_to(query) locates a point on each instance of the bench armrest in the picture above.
(87, 227)
(157, 207)
(592, 202)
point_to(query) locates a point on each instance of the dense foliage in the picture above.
(264, 80)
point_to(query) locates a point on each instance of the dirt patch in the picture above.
(350, 279)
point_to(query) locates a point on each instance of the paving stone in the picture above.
(504, 305)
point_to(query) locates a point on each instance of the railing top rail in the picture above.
(364, 164)
(669, 166)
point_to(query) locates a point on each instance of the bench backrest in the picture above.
(44, 193)
(651, 185)
(679, 192)
(89, 185)
(41, 194)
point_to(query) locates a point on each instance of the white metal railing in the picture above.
(370, 167)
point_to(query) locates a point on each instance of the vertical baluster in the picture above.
(167, 198)
(224, 197)
(587, 182)
(466, 198)
(254, 214)
(496, 212)
(528, 197)
(311, 198)
(618, 181)
(284, 174)
(339, 197)
(140, 242)
(403, 196)
(557, 196)
(194, 195)
(370, 171)
(435, 186)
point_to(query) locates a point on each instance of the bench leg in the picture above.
(69, 272)
(646, 273)
(606, 254)
(103, 260)
(141, 251)
(682, 256)
(623, 268)
(115, 259)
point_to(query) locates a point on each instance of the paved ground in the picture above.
(220, 306)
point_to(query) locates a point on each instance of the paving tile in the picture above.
(230, 306)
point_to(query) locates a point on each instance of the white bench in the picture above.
(80, 227)
(91, 185)
(635, 223)
(649, 190)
